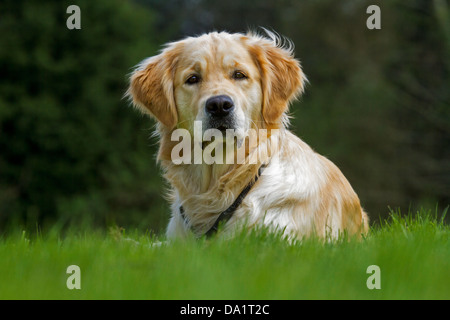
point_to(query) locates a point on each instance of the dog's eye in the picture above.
(239, 75)
(193, 79)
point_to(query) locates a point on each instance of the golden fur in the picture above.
(300, 192)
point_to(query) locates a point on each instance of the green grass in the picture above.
(413, 253)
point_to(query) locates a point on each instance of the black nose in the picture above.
(219, 106)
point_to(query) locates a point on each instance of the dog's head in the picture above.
(226, 81)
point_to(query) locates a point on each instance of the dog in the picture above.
(240, 82)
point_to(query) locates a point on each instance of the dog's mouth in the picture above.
(221, 133)
(222, 124)
(223, 128)
(213, 137)
(234, 141)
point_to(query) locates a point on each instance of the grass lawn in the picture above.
(412, 253)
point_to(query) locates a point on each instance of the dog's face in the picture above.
(218, 83)
(226, 81)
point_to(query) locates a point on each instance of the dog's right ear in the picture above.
(151, 86)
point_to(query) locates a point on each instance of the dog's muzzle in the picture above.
(220, 111)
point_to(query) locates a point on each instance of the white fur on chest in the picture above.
(293, 176)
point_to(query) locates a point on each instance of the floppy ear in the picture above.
(151, 87)
(282, 79)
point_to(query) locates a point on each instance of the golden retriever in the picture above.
(243, 83)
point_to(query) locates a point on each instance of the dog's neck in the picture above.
(211, 188)
(198, 179)
(210, 175)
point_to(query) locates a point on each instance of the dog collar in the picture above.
(228, 213)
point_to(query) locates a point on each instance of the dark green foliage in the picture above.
(71, 148)
(73, 151)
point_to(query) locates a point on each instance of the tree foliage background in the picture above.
(73, 152)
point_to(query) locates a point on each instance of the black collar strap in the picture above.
(227, 214)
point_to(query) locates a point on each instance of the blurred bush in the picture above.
(72, 151)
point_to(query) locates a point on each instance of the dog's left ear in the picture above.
(282, 78)
(151, 86)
